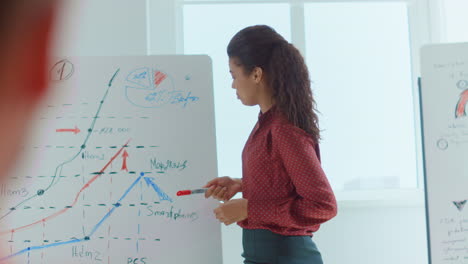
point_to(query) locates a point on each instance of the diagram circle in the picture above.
(62, 70)
(442, 144)
(462, 84)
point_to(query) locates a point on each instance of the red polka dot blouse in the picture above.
(283, 181)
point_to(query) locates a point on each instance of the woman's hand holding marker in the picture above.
(223, 188)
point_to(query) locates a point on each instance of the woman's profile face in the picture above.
(244, 84)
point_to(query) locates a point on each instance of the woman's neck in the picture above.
(265, 98)
(265, 106)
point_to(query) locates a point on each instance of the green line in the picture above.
(113, 77)
(58, 169)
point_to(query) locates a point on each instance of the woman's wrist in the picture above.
(238, 181)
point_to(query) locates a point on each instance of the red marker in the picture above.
(189, 192)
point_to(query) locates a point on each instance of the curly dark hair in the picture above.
(285, 71)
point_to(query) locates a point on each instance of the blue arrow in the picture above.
(161, 194)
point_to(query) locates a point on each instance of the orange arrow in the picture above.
(124, 163)
(75, 130)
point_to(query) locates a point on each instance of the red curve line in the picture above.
(460, 109)
(74, 202)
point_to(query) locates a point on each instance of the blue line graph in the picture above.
(29, 249)
(116, 205)
(96, 227)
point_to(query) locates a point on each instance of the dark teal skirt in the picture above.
(265, 247)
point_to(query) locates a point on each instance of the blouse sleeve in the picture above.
(315, 202)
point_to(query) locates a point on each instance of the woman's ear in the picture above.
(257, 74)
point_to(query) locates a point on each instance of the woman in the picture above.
(286, 195)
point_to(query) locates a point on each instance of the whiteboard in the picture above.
(444, 91)
(109, 149)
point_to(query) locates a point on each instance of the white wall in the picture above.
(162, 27)
(102, 28)
(378, 232)
(375, 235)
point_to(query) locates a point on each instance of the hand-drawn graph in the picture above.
(456, 132)
(97, 182)
(152, 88)
(463, 100)
(444, 75)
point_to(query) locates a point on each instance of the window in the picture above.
(361, 56)
(208, 30)
(454, 15)
(361, 74)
